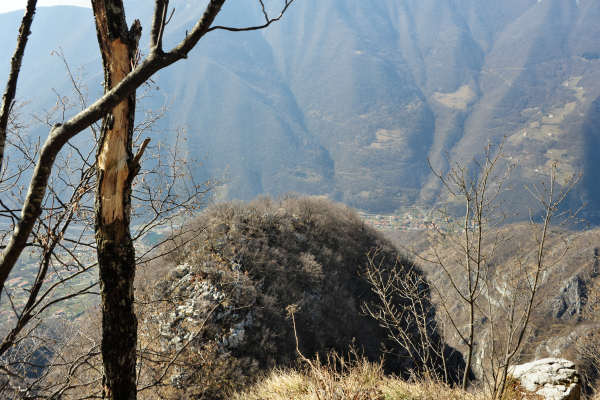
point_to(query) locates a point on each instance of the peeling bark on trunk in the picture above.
(60, 134)
(116, 170)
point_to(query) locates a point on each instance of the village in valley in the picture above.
(414, 218)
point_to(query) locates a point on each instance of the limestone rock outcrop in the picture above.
(551, 378)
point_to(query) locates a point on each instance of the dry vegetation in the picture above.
(213, 311)
(564, 322)
(262, 257)
(358, 380)
(259, 258)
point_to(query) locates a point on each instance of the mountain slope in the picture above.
(350, 99)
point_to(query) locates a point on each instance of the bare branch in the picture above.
(13, 77)
(158, 25)
(62, 133)
(268, 20)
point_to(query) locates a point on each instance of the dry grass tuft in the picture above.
(337, 379)
(514, 391)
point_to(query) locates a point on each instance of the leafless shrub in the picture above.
(508, 328)
(404, 309)
(490, 311)
(61, 258)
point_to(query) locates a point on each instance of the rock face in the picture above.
(224, 304)
(551, 378)
(571, 299)
(567, 301)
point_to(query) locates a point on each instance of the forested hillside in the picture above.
(350, 98)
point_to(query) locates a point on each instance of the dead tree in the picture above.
(466, 250)
(511, 322)
(15, 68)
(116, 169)
(115, 164)
(63, 241)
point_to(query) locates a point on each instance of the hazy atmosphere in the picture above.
(300, 199)
(12, 5)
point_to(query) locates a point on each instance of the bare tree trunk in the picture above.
(13, 77)
(470, 301)
(8, 258)
(471, 336)
(116, 170)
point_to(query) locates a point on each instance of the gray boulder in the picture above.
(551, 378)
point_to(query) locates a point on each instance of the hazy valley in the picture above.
(324, 142)
(350, 99)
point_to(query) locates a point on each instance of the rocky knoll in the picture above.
(223, 307)
(550, 378)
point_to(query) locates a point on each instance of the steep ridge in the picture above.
(350, 99)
